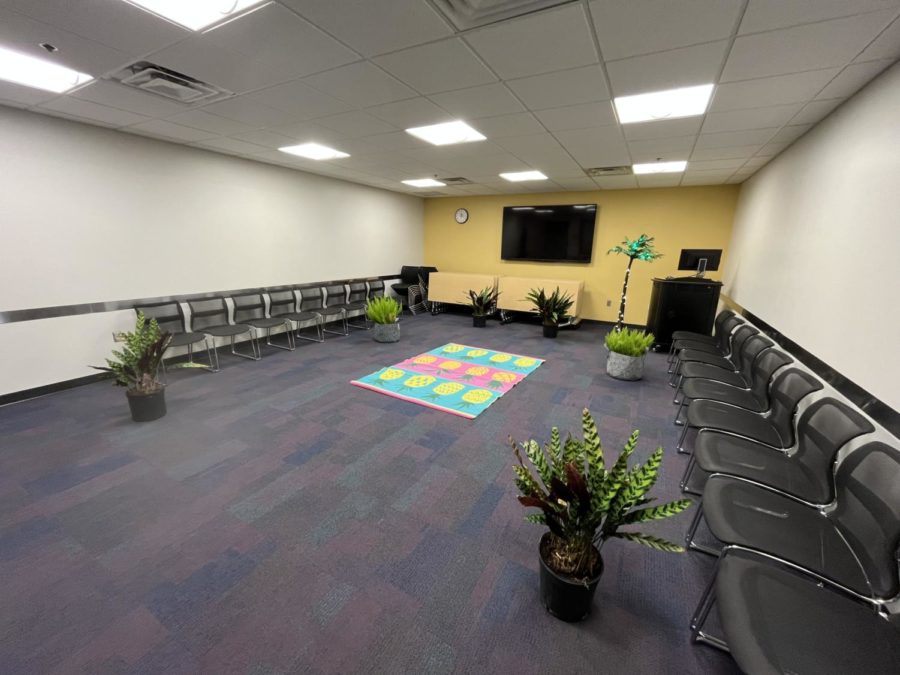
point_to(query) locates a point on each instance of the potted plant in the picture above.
(136, 366)
(481, 302)
(583, 504)
(626, 350)
(639, 249)
(384, 312)
(551, 308)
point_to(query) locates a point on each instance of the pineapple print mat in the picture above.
(455, 378)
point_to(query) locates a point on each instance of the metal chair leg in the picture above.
(678, 420)
(212, 355)
(678, 388)
(254, 348)
(680, 445)
(343, 320)
(692, 532)
(676, 371)
(707, 601)
(364, 326)
(290, 342)
(685, 484)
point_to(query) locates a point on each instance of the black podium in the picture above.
(684, 303)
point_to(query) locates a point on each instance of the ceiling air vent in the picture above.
(173, 85)
(465, 14)
(457, 180)
(600, 171)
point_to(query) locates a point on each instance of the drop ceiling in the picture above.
(353, 74)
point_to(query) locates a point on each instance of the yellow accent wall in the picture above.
(685, 217)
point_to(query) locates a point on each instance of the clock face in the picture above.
(461, 216)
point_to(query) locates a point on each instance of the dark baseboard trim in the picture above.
(874, 407)
(25, 394)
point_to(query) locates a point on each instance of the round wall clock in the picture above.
(461, 216)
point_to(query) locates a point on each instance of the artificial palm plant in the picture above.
(583, 503)
(639, 249)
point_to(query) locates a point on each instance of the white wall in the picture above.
(815, 250)
(92, 215)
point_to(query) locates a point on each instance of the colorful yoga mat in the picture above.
(455, 378)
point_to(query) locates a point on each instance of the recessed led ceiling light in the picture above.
(664, 105)
(518, 176)
(424, 182)
(38, 73)
(195, 14)
(446, 133)
(659, 167)
(313, 151)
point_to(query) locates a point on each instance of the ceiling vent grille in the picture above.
(466, 14)
(600, 171)
(456, 180)
(170, 84)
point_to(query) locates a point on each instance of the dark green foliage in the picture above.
(553, 309)
(137, 364)
(628, 341)
(482, 300)
(583, 502)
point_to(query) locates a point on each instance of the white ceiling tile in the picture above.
(303, 132)
(583, 116)
(732, 152)
(94, 112)
(808, 47)
(814, 111)
(765, 91)
(123, 97)
(265, 138)
(279, 40)
(504, 126)
(361, 84)
(616, 182)
(751, 118)
(440, 66)
(541, 150)
(355, 123)
(790, 134)
(25, 96)
(656, 149)
(756, 162)
(885, 46)
(207, 122)
(582, 183)
(568, 87)
(411, 112)
(488, 100)
(250, 111)
(301, 100)
(852, 78)
(231, 146)
(667, 70)
(771, 149)
(714, 164)
(601, 146)
(768, 14)
(659, 180)
(537, 43)
(398, 140)
(632, 27)
(703, 178)
(375, 26)
(168, 130)
(686, 126)
(730, 139)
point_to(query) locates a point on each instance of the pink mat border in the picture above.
(499, 351)
(417, 401)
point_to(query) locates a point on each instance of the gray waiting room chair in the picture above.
(718, 331)
(334, 307)
(718, 343)
(357, 301)
(743, 359)
(250, 309)
(283, 305)
(210, 316)
(170, 317)
(690, 358)
(312, 299)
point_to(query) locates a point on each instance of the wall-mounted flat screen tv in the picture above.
(549, 233)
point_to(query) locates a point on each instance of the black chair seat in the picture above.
(695, 388)
(689, 355)
(226, 330)
(401, 289)
(299, 317)
(734, 456)
(716, 415)
(778, 621)
(741, 513)
(184, 339)
(700, 346)
(691, 335)
(694, 370)
(330, 311)
(355, 306)
(266, 323)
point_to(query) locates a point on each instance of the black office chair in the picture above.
(211, 317)
(717, 344)
(774, 428)
(283, 305)
(418, 294)
(721, 317)
(409, 276)
(374, 288)
(777, 619)
(686, 357)
(357, 303)
(743, 360)
(250, 309)
(170, 317)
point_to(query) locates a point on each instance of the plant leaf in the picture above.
(651, 541)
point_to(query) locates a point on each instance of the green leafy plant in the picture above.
(583, 503)
(639, 249)
(136, 365)
(630, 342)
(552, 308)
(482, 300)
(383, 309)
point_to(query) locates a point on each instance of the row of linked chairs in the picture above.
(800, 504)
(318, 310)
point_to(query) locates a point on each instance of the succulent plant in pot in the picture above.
(384, 312)
(482, 301)
(583, 504)
(553, 308)
(627, 348)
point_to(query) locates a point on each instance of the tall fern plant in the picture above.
(583, 503)
(639, 249)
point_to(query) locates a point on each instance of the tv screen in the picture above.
(549, 233)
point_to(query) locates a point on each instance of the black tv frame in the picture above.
(558, 261)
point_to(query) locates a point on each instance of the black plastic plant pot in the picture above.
(551, 330)
(147, 407)
(565, 598)
(479, 321)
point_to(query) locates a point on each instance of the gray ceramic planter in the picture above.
(624, 367)
(386, 332)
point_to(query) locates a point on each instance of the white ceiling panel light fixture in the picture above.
(313, 151)
(196, 14)
(424, 183)
(38, 73)
(519, 176)
(447, 133)
(663, 105)
(659, 167)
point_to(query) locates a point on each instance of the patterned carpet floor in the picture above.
(280, 520)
